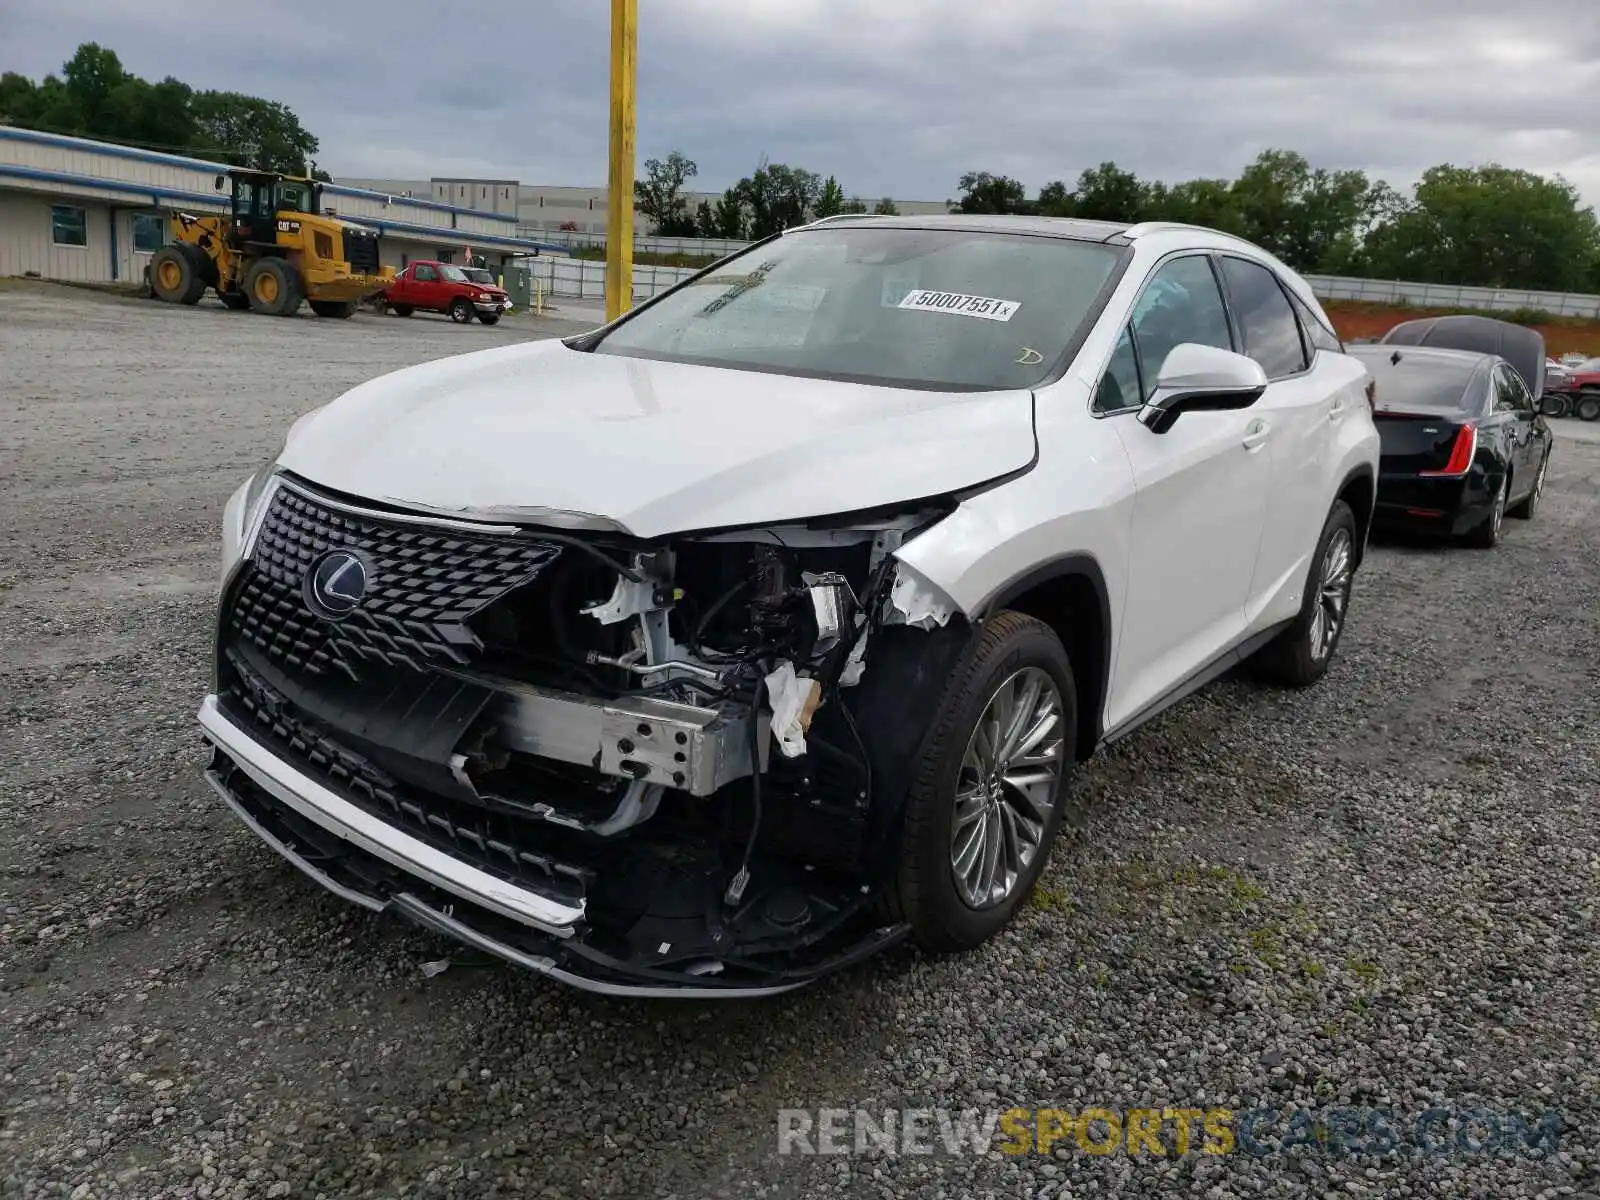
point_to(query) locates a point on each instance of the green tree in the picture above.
(253, 132)
(830, 200)
(854, 205)
(728, 218)
(1108, 193)
(779, 197)
(982, 192)
(1488, 226)
(659, 195)
(1306, 217)
(886, 207)
(1055, 201)
(1206, 202)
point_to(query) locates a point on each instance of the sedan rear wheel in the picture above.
(986, 802)
(1588, 407)
(1529, 504)
(1487, 535)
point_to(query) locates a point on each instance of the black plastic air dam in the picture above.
(364, 879)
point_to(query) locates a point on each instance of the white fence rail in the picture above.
(585, 279)
(579, 279)
(1438, 295)
(717, 247)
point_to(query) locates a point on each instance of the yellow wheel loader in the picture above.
(274, 249)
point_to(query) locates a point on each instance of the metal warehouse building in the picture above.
(73, 209)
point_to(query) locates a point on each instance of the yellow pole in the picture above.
(619, 196)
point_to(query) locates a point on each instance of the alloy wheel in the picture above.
(1006, 789)
(1333, 593)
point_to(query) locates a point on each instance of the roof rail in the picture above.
(1147, 227)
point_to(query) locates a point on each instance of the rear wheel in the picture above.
(401, 310)
(338, 309)
(175, 276)
(985, 805)
(1300, 655)
(460, 312)
(1588, 406)
(1529, 504)
(1487, 535)
(273, 287)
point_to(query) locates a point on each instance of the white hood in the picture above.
(655, 447)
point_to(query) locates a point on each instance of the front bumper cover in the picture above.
(380, 867)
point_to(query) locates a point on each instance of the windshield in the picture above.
(292, 197)
(940, 308)
(477, 275)
(453, 274)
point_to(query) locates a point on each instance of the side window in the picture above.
(1521, 396)
(1181, 303)
(426, 274)
(1318, 334)
(1119, 386)
(1509, 393)
(1266, 319)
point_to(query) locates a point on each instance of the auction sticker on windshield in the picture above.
(987, 307)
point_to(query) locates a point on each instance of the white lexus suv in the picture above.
(728, 643)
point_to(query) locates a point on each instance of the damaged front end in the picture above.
(659, 768)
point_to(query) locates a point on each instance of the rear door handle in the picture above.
(1256, 436)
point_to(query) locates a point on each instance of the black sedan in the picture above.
(1464, 444)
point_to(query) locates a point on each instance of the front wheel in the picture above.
(489, 318)
(1299, 656)
(401, 310)
(337, 309)
(1588, 407)
(460, 312)
(986, 801)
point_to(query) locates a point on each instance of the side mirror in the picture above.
(1197, 378)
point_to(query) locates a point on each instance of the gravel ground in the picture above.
(1381, 892)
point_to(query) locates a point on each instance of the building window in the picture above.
(149, 232)
(446, 256)
(68, 226)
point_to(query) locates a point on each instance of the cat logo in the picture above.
(288, 226)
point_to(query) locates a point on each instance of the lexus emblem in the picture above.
(336, 582)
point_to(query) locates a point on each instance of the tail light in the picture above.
(1461, 453)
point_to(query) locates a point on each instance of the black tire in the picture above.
(402, 310)
(1486, 536)
(1298, 657)
(1524, 509)
(237, 301)
(273, 287)
(175, 276)
(1588, 407)
(460, 311)
(924, 891)
(337, 309)
(1554, 404)
(489, 318)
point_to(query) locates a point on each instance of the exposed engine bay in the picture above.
(681, 739)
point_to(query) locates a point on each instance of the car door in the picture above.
(1306, 394)
(1196, 514)
(1504, 430)
(426, 287)
(1525, 427)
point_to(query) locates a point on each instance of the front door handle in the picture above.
(1256, 436)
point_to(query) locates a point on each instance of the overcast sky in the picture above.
(895, 97)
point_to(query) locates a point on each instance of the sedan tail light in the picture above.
(1462, 452)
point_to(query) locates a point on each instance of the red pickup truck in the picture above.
(445, 288)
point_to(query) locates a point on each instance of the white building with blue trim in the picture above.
(74, 209)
